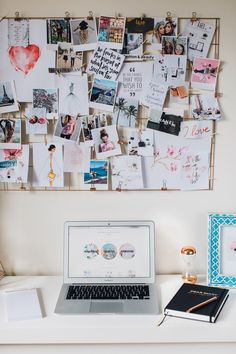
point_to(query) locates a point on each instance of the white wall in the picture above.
(31, 224)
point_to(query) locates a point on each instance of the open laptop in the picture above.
(108, 268)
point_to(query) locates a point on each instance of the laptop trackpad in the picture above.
(106, 307)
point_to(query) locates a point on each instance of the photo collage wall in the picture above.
(107, 103)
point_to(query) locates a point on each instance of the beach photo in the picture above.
(97, 175)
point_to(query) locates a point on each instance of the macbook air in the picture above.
(108, 268)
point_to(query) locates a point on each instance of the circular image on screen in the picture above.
(127, 251)
(90, 251)
(108, 251)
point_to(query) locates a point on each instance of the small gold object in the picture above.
(188, 254)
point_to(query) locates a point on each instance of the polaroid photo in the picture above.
(36, 121)
(91, 122)
(140, 142)
(163, 27)
(10, 133)
(84, 33)
(103, 94)
(67, 128)
(48, 165)
(106, 141)
(204, 73)
(133, 78)
(196, 129)
(8, 101)
(14, 165)
(18, 32)
(73, 97)
(200, 36)
(125, 112)
(133, 45)
(195, 169)
(126, 172)
(97, 177)
(205, 107)
(179, 94)
(172, 45)
(58, 30)
(170, 69)
(68, 57)
(154, 95)
(46, 98)
(76, 158)
(105, 63)
(111, 31)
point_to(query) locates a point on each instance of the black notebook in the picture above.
(197, 302)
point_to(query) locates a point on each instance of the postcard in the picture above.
(200, 36)
(154, 95)
(133, 78)
(18, 32)
(91, 122)
(195, 170)
(103, 94)
(179, 94)
(46, 98)
(14, 164)
(196, 129)
(167, 123)
(97, 177)
(125, 112)
(48, 165)
(111, 31)
(10, 133)
(73, 97)
(27, 65)
(58, 30)
(36, 121)
(205, 107)
(68, 128)
(84, 33)
(68, 57)
(162, 171)
(163, 27)
(126, 172)
(204, 73)
(133, 45)
(140, 142)
(170, 69)
(8, 101)
(173, 45)
(76, 158)
(105, 63)
(106, 141)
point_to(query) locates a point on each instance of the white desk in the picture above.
(115, 333)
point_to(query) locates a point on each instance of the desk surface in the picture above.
(90, 329)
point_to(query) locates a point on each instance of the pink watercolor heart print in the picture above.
(24, 58)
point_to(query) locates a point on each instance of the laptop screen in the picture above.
(109, 251)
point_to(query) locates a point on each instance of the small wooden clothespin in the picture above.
(122, 141)
(17, 16)
(118, 189)
(194, 17)
(90, 15)
(67, 15)
(168, 16)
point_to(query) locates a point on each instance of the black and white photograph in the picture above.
(8, 101)
(103, 94)
(46, 98)
(125, 112)
(84, 33)
(10, 133)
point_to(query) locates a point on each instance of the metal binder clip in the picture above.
(194, 17)
(119, 187)
(67, 15)
(17, 16)
(168, 16)
(142, 17)
(90, 15)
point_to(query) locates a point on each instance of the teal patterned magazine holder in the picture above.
(222, 250)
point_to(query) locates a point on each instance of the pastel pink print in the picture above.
(24, 58)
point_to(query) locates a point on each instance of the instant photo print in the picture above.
(84, 33)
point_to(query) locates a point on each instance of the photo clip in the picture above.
(119, 187)
(90, 15)
(194, 17)
(92, 188)
(67, 15)
(168, 16)
(17, 16)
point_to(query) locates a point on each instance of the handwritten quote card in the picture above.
(105, 63)
(154, 95)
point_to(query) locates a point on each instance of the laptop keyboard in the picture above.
(108, 292)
